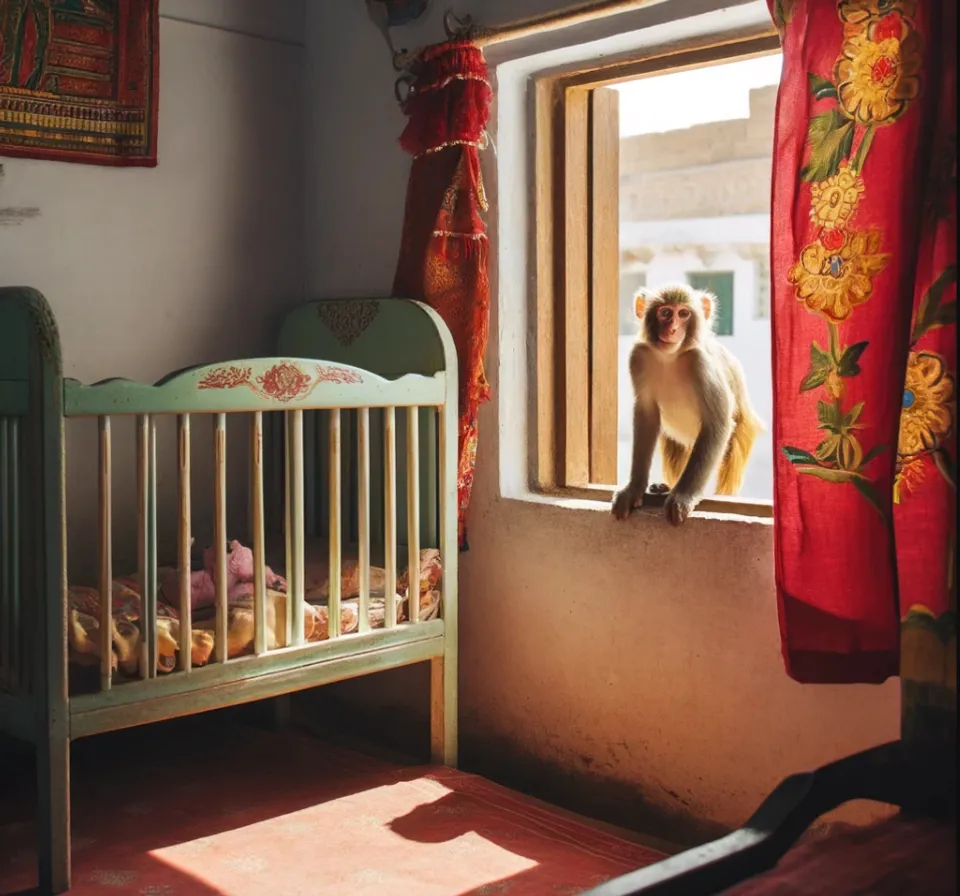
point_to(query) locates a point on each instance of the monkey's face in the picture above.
(672, 324)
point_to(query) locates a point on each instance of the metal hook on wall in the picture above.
(458, 28)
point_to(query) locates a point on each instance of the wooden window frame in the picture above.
(577, 264)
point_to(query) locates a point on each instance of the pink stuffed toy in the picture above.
(203, 590)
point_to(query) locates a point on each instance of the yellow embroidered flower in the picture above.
(877, 79)
(835, 199)
(906, 478)
(842, 448)
(928, 404)
(833, 282)
(859, 12)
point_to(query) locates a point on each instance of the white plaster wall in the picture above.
(152, 269)
(641, 661)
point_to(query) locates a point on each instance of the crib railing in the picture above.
(300, 467)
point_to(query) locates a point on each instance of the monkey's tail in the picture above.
(746, 427)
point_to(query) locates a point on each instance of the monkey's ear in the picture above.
(709, 300)
(640, 302)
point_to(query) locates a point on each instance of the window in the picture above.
(648, 171)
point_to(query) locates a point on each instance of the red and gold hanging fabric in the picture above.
(443, 250)
(864, 346)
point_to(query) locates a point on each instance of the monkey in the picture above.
(690, 394)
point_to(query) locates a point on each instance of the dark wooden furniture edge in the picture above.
(919, 783)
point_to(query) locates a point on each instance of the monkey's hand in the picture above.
(678, 507)
(625, 499)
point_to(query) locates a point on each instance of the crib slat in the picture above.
(105, 552)
(413, 514)
(310, 471)
(150, 598)
(390, 515)
(184, 536)
(428, 483)
(335, 517)
(13, 558)
(220, 533)
(295, 586)
(147, 543)
(7, 633)
(259, 540)
(363, 515)
(284, 629)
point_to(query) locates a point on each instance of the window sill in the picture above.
(598, 498)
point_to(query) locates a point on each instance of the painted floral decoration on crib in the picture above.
(281, 382)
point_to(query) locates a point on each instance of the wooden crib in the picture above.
(358, 385)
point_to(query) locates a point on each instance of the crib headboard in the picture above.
(31, 494)
(389, 337)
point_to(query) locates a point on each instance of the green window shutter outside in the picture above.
(720, 283)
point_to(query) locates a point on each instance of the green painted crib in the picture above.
(350, 442)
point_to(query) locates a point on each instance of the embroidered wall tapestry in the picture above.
(865, 356)
(443, 249)
(79, 80)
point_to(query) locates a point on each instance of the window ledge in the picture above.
(599, 497)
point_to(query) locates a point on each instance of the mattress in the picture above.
(83, 608)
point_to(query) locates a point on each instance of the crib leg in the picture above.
(443, 712)
(53, 816)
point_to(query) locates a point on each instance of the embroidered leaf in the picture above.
(814, 379)
(827, 449)
(848, 365)
(860, 157)
(828, 414)
(871, 454)
(782, 13)
(945, 466)
(931, 314)
(819, 368)
(947, 315)
(818, 357)
(798, 455)
(830, 137)
(829, 474)
(865, 487)
(853, 415)
(822, 88)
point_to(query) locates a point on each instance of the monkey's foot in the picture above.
(659, 488)
(678, 507)
(625, 499)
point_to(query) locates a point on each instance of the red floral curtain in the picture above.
(864, 319)
(443, 250)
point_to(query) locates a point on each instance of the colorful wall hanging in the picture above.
(79, 80)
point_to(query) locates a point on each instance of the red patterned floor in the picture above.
(238, 811)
